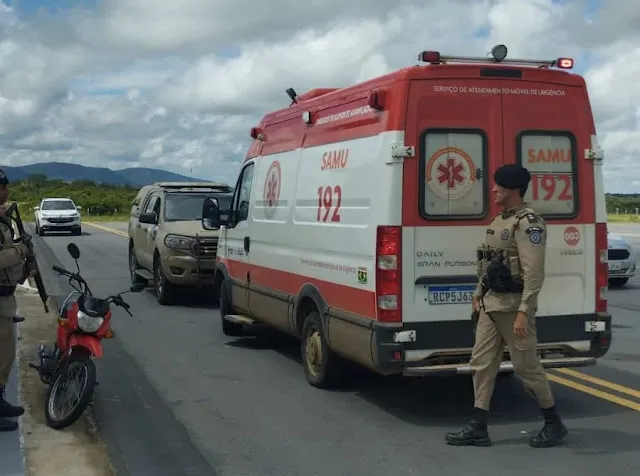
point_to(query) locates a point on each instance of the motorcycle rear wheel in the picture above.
(78, 366)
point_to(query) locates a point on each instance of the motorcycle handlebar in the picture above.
(60, 270)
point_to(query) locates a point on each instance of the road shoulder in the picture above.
(77, 450)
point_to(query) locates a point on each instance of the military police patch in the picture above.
(535, 234)
(505, 234)
(535, 237)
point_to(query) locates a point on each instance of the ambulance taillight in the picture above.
(389, 273)
(602, 267)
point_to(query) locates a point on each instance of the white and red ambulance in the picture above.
(358, 210)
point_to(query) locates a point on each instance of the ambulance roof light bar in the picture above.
(498, 53)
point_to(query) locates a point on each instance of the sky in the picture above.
(177, 85)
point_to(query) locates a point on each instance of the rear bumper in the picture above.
(435, 348)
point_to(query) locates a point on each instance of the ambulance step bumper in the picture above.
(239, 319)
(457, 369)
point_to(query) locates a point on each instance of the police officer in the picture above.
(12, 259)
(511, 272)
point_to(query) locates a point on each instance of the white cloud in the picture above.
(177, 85)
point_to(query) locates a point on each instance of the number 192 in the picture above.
(326, 197)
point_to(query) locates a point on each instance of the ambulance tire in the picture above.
(330, 370)
(230, 329)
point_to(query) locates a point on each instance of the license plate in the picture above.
(613, 266)
(457, 294)
(594, 326)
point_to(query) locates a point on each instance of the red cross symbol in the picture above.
(450, 173)
(272, 186)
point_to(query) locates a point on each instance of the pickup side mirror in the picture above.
(79, 207)
(149, 218)
(36, 208)
(210, 214)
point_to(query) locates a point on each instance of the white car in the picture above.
(58, 214)
(622, 260)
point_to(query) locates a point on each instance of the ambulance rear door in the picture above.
(546, 129)
(456, 125)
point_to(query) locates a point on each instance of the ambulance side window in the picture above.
(550, 157)
(242, 197)
(453, 167)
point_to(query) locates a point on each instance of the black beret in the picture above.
(512, 176)
(3, 178)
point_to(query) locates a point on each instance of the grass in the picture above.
(103, 218)
(613, 218)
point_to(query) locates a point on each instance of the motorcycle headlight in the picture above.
(180, 243)
(88, 323)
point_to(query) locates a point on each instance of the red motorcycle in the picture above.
(68, 368)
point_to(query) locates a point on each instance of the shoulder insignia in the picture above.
(535, 234)
(504, 235)
(490, 231)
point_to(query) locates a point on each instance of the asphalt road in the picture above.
(178, 397)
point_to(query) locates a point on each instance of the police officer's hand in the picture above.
(520, 326)
(475, 302)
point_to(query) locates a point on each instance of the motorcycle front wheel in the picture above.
(71, 392)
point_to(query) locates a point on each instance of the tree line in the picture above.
(95, 198)
(623, 203)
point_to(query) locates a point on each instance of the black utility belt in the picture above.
(512, 289)
(7, 290)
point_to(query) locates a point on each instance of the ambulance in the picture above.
(358, 210)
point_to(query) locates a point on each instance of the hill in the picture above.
(136, 176)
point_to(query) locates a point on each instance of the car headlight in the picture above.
(180, 243)
(88, 323)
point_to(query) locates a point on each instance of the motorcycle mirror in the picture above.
(73, 250)
(136, 288)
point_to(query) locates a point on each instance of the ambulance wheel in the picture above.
(231, 329)
(322, 367)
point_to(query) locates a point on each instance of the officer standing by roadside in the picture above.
(511, 273)
(12, 259)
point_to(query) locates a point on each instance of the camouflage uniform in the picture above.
(516, 238)
(12, 259)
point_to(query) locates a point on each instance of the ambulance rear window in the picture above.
(550, 157)
(451, 181)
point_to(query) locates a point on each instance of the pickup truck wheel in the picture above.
(164, 289)
(133, 266)
(230, 329)
(322, 367)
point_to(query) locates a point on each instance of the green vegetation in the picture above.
(623, 208)
(100, 202)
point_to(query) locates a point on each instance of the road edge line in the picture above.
(107, 229)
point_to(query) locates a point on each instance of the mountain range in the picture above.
(136, 176)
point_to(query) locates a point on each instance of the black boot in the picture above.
(553, 431)
(6, 409)
(474, 433)
(8, 425)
